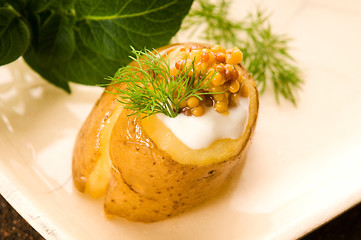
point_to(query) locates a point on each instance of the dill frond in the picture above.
(151, 88)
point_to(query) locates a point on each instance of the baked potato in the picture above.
(146, 173)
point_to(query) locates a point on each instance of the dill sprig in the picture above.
(151, 88)
(265, 53)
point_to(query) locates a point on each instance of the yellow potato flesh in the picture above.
(219, 151)
(98, 179)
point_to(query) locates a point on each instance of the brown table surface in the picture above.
(347, 226)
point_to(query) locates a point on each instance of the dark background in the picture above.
(347, 226)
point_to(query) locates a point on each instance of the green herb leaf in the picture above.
(56, 40)
(60, 4)
(68, 4)
(14, 36)
(110, 27)
(37, 6)
(18, 5)
(151, 88)
(91, 41)
(85, 67)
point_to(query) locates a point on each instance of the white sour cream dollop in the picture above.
(201, 132)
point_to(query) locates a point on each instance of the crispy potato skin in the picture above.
(146, 184)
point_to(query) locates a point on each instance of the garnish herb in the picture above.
(265, 54)
(151, 88)
(84, 41)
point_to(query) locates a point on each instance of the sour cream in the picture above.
(201, 132)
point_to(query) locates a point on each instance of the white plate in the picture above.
(303, 167)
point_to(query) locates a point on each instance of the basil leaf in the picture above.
(110, 27)
(56, 40)
(14, 36)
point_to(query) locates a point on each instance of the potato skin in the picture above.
(87, 145)
(146, 184)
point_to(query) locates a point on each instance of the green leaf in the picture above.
(103, 45)
(37, 6)
(49, 74)
(110, 27)
(68, 4)
(85, 67)
(56, 42)
(34, 25)
(62, 4)
(14, 36)
(18, 5)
